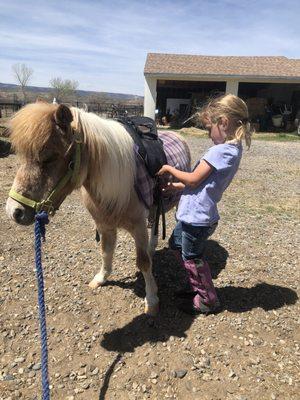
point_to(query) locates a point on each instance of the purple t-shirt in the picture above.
(198, 206)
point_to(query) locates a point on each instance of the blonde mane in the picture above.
(31, 128)
(111, 162)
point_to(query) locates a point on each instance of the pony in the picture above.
(98, 155)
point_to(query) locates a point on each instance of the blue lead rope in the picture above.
(41, 219)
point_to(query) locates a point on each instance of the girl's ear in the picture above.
(224, 122)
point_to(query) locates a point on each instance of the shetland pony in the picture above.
(43, 136)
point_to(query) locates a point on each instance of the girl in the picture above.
(226, 119)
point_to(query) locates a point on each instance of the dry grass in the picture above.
(269, 136)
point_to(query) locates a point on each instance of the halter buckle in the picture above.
(77, 137)
(47, 206)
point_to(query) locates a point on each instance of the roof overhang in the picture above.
(222, 78)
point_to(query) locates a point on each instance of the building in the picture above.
(177, 82)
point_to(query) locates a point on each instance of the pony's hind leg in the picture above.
(153, 236)
(144, 264)
(108, 243)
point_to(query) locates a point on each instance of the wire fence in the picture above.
(106, 110)
(7, 109)
(111, 110)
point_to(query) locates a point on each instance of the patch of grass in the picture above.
(277, 137)
(271, 209)
(267, 136)
(186, 131)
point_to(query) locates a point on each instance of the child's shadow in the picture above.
(216, 255)
(169, 273)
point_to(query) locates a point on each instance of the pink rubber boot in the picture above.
(202, 297)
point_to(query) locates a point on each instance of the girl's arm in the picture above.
(192, 179)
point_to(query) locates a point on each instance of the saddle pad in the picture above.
(178, 155)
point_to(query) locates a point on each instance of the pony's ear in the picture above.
(63, 116)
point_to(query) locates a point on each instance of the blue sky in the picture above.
(103, 44)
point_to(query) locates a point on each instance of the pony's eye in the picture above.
(50, 159)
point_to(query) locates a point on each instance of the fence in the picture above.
(7, 109)
(111, 110)
(107, 110)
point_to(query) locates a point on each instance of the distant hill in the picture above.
(8, 89)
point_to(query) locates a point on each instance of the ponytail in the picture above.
(248, 134)
(245, 131)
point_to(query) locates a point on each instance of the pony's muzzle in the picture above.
(20, 214)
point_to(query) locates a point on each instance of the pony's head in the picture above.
(42, 136)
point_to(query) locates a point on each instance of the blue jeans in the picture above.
(190, 239)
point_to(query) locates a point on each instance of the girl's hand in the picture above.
(172, 187)
(165, 169)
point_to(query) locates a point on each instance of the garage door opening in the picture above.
(178, 100)
(272, 106)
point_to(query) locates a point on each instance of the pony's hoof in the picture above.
(152, 310)
(94, 284)
(98, 280)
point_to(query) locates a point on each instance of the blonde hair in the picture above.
(235, 110)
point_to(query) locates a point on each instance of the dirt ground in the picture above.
(101, 346)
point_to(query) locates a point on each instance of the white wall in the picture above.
(173, 104)
(150, 97)
(232, 87)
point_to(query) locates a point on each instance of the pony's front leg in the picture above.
(108, 243)
(144, 264)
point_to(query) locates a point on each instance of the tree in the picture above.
(22, 74)
(63, 88)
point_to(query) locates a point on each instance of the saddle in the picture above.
(149, 146)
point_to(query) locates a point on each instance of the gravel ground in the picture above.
(101, 346)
